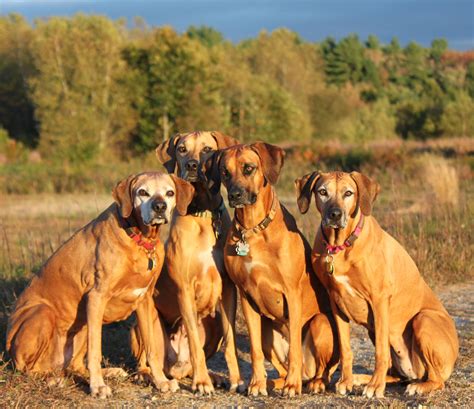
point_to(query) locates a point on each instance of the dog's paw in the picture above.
(100, 391)
(344, 385)
(202, 385)
(257, 387)
(422, 388)
(293, 386)
(375, 387)
(316, 385)
(114, 373)
(143, 377)
(167, 386)
(237, 387)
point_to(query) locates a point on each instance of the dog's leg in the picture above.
(435, 348)
(228, 308)
(346, 381)
(382, 348)
(258, 383)
(202, 382)
(275, 349)
(293, 383)
(325, 350)
(95, 313)
(152, 335)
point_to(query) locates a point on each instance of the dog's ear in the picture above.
(166, 153)
(223, 141)
(367, 192)
(272, 158)
(212, 172)
(304, 190)
(184, 194)
(122, 194)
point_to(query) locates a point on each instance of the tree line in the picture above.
(87, 88)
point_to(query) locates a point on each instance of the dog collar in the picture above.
(348, 242)
(148, 245)
(242, 247)
(215, 215)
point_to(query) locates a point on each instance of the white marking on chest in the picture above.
(249, 265)
(206, 259)
(138, 292)
(344, 280)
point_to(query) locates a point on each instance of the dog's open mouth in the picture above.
(157, 220)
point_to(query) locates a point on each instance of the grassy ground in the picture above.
(427, 206)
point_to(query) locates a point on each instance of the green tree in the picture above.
(458, 116)
(438, 47)
(469, 79)
(207, 36)
(79, 99)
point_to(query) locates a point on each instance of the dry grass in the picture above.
(439, 237)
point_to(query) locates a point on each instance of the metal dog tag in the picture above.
(242, 248)
(330, 264)
(151, 263)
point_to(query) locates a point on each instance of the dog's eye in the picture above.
(170, 193)
(323, 192)
(181, 149)
(225, 173)
(248, 169)
(348, 193)
(143, 192)
(206, 149)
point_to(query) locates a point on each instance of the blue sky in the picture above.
(417, 20)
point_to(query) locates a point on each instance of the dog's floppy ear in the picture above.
(223, 141)
(304, 190)
(272, 158)
(184, 194)
(166, 153)
(122, 194)
(367, 192)
(213, 176)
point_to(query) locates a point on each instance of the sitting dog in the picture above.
(373, 281)
(194, 281)
(286, 309)
(103, 273)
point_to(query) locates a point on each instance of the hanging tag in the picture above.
(242, 248)
(330, 264)
(151, 263)
(217, 227)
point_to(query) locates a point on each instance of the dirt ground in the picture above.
(16, 390)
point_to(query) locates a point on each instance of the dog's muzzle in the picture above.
(158, 213)
(335, 218)
(191, 172)
(239, 197)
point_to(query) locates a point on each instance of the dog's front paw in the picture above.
(202, 384)
(292, 385)
(422, 388)
(316, 385)
(167, 385)
(376, 386)
(344, 385)
(100, 391)
(257, 387)
(143, 377)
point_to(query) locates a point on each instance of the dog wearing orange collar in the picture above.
(373, 281)
(287, 310)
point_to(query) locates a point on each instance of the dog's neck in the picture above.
(203, 199)
(337, 237)
(251, 215)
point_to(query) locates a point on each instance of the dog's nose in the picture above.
(335, 214)
(159, 206)
(235, 194)
(192, 165)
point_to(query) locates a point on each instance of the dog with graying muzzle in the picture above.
(103, 273)
(373, 281)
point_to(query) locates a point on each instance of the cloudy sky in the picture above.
(417, 20)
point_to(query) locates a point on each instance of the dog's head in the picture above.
(245, 169)
(338, 195)
(153, 196)
(186, 154)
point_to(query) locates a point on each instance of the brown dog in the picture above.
(373, 281)
(103, 273)
(268, 259)
(194, 281)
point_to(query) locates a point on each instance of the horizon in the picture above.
(407, 20)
